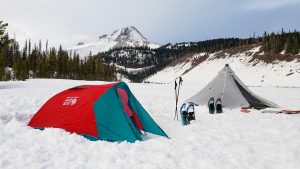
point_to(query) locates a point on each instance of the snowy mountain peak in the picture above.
(132, 32)
(124, 37)
(129, 36)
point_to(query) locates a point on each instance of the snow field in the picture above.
(229, 140)
(282, 74)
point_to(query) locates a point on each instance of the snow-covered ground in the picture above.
(257, 73)
(228, 140)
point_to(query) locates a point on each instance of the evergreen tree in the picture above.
(3, 44)
(47, 47)
(2, 67)
(60, 58)
(279, 45)
(288, 45)
(43, 67)
(52, 63)
(29, 46)
(20, 69)
(76, 68)
(295, 49)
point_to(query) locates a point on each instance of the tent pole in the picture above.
(224, 83)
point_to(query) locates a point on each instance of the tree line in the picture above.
(289, 42)
(34, 62)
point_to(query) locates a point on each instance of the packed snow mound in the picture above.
(125, 37)
(252, 71)
(229, 140)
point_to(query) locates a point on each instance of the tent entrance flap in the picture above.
(254, 102)
(124, 98)
(128, 109)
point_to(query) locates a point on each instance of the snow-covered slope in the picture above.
(253, 72)
(125, 37)
(229, 140)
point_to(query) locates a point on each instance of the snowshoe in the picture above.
(211, 106)
(184, 115)
(191, 116)
(191, 112)
(218, 106)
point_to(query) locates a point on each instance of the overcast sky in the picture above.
(67, 22)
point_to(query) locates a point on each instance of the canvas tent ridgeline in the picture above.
(98, 112)
(233, 92)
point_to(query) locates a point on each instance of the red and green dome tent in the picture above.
(98, 112)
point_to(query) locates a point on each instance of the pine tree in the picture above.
(43, 67)
(33, 59)
(76, 68)
(2, 67)
(288, 45)
(279, 44)
(25, 49)
(20, 69)
(3, 44)
(70, 65)
(264, 41)
(60, 62)
(29, 47)
(24, 71)
(88, 68)
(52, 63)
(8, 76)
(295, 50)
(298, 42)
(14, 71)
(47, 47)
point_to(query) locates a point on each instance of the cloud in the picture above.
(68, 22)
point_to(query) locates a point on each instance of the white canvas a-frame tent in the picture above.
(232, 91)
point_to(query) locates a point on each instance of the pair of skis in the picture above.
(177, 89)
